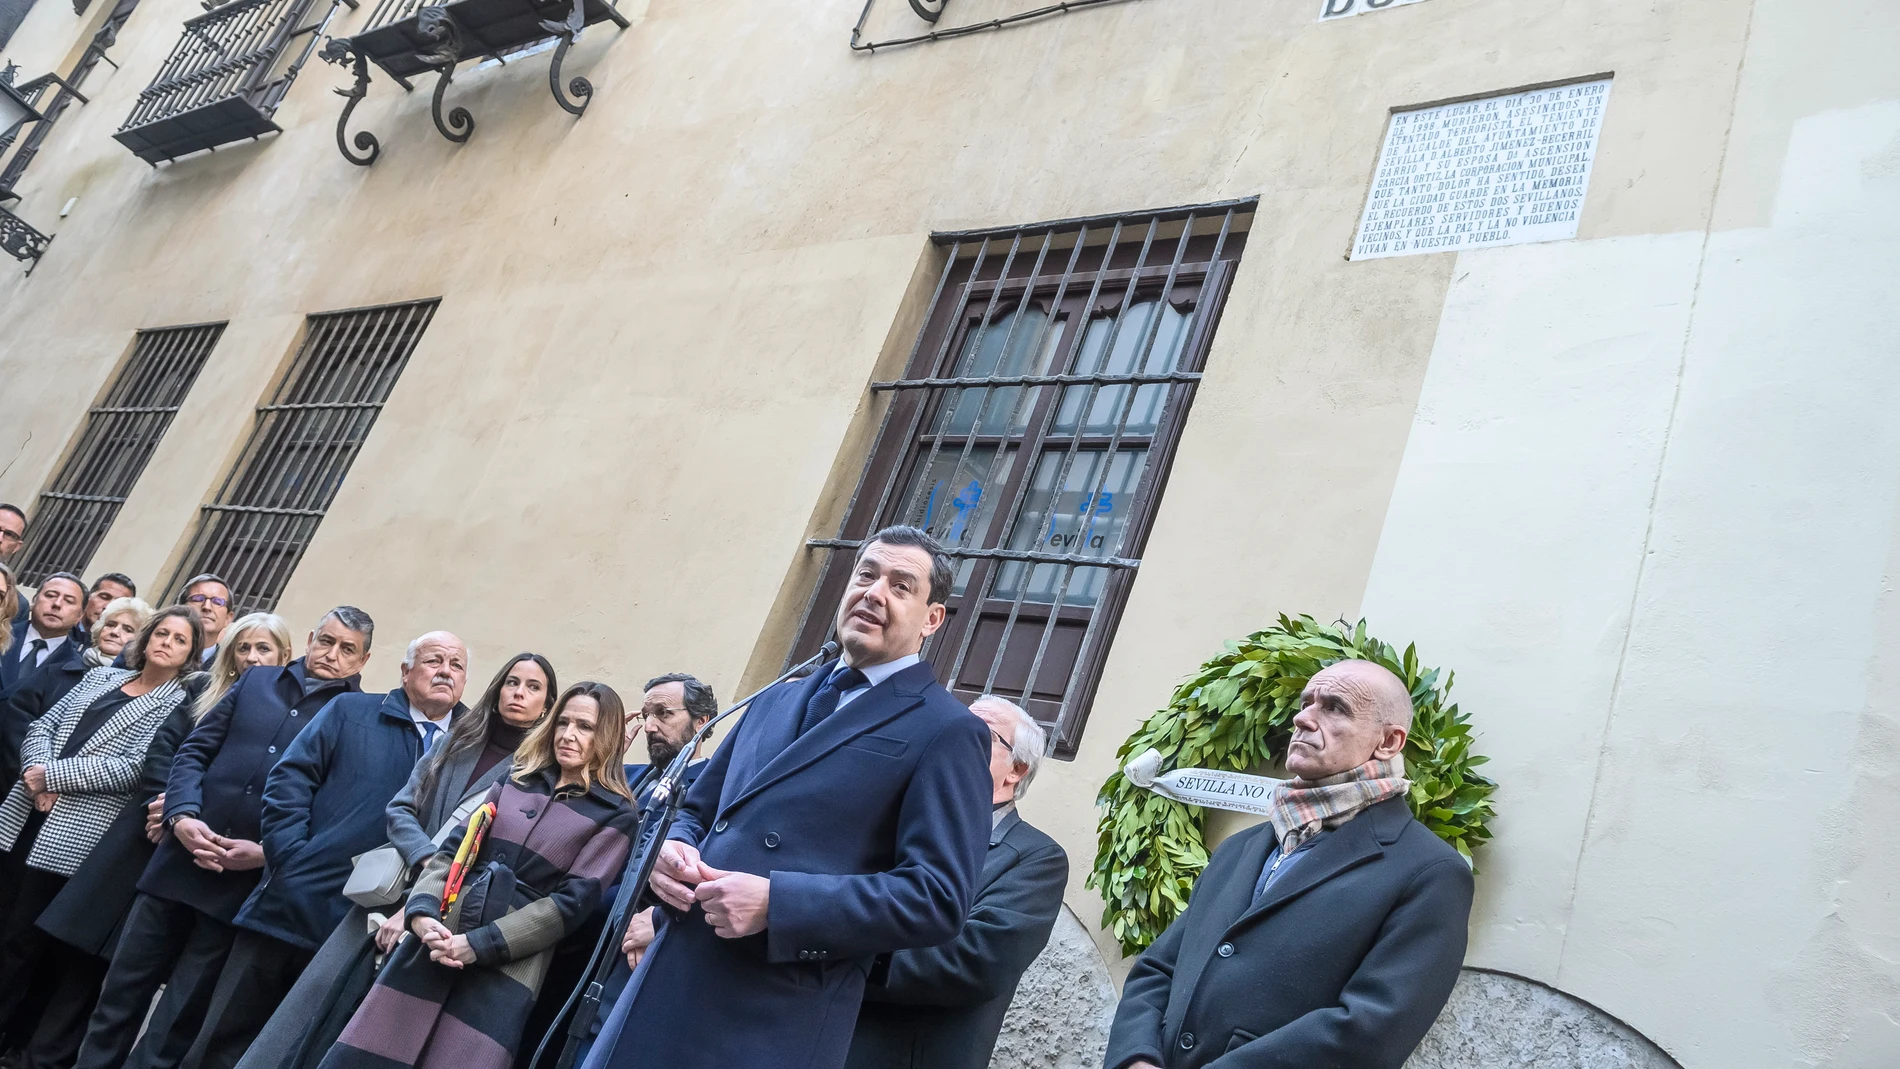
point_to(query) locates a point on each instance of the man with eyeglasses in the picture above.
(12, 537)
(942, 1007)
(210, 597)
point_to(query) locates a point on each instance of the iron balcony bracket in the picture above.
(569, 32)
(20, 240)
(438, 25)
(339, 52)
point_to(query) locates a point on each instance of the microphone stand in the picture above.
(663, 807)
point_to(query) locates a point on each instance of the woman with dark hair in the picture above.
(525, 869)
(82, 764)
(452, 779)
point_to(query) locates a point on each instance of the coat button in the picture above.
(270, 749)
(1187, 1041)
(1225, 950)
(771, 840)
(719, 825)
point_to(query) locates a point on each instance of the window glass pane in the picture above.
(1097, 359)
(955, 497)
(1085, 521)
(1019, 343)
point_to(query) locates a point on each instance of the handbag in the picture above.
(381, 876)
(485, 897)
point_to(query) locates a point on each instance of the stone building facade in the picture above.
(1612, 439)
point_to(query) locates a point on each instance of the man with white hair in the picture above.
(942, 1007)
(324, 804)
(1330, 935)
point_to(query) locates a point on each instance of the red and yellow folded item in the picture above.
(466, 854)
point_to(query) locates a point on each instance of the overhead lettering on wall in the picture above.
(1500, 170)
(1339, 9)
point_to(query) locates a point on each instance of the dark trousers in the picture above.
(26, 953)
(257, 975)
(162, 942)
(62, 1027)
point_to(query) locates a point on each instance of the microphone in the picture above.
(663, 806)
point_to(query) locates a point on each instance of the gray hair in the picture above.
(140, 611)
(409, 654)
(1027, 747)
(352, 618)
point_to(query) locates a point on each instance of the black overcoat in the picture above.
(1344, 963)
(941, 1008)
(218, 776)
(872, 827)
(88, 911)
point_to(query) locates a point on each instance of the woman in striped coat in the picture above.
(457, 992)
(81, 764)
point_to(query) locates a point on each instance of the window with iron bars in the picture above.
(301, 448)
(1032, 435)
(78, 508)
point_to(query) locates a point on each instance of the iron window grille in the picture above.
(1032, 435)
(305, 439)
(225, 77)
(121, 431)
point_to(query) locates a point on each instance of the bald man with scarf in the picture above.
(1328, 937)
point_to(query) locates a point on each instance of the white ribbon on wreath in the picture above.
(1211, 788)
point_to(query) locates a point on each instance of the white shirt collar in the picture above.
(878, 673)
(33, 633)
(416, 715)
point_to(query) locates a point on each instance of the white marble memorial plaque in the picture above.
(1339, 9)
(1499, 170)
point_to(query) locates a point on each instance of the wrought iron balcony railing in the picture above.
(19, 240)
(407, 38)
(225, 77)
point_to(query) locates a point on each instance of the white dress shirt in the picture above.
(876, 674)
(33, 635)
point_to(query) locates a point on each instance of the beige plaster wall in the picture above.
(645, 384)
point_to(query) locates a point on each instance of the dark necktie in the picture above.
(429, 732)
(33, 651)
(825, 701)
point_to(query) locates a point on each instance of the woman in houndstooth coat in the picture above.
(81, 763)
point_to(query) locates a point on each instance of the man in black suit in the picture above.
(941, 1008)
(52, 615)
(179, 928)
(1329, 936)
(844, 818)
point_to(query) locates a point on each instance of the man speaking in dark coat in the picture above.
(845, 817)
(1327, 938)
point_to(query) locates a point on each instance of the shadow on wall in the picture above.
(1063, 1008)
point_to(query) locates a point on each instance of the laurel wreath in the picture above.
(1236, 713)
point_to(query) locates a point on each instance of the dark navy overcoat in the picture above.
(218, 776)
(872, 827)
(324, 804)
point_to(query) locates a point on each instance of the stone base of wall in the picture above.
(1066, 1002)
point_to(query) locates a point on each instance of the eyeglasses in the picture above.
(200, 599)
(998, 736)
(12, 536)
(658, 712)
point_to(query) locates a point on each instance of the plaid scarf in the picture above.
(1302, 810)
